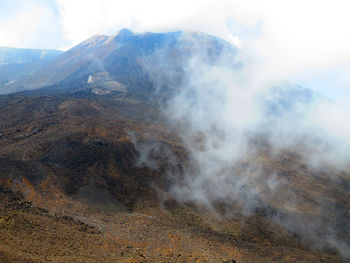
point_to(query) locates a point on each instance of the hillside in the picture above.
(74, 157)
(143, 147)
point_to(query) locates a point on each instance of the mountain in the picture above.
(89, 161)
(10, 56)
(123, 63)
(17, 63)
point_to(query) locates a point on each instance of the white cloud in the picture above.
(82, 19)
(235, 40)
(30, 24)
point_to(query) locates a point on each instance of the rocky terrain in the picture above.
(84, 198)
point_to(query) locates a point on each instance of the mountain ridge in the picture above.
(122, 56)
(17, 63)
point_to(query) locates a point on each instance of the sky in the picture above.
(307, 42)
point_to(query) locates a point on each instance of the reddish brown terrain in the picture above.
(71, 191)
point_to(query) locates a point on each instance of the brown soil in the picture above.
(71, 192)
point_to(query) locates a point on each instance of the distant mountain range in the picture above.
(17, 63)
(125, 63)
(10, 55)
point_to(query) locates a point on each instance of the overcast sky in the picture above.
(304, 41)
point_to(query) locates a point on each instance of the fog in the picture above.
(232, 118)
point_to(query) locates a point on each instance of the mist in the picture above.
(234, 119)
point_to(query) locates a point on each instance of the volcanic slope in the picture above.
(84, 197)
(124, 63)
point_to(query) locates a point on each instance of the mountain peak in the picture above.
(121, 35)
(125, 32)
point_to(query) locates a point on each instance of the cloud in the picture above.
(30, 24)
(236, 126)
(81, 19)
(235, 40)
